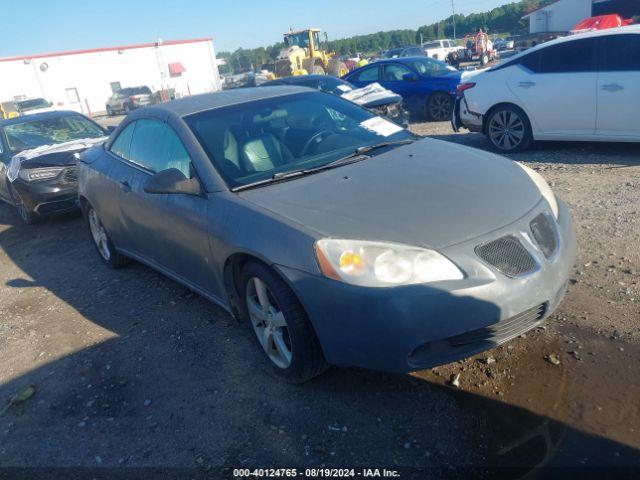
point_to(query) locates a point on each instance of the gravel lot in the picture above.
(132, 369)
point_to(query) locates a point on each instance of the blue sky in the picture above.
(38, 26)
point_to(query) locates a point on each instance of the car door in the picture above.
(556, 86)
(167, 230)
(364, 77)
(402, 80)
(619, 86)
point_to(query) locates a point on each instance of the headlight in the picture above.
(543, 186)
(378, 264)
(35, 174)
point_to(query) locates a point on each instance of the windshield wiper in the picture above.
(357, 155)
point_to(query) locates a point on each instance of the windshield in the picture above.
(396, 52)
(432, 45)
(26, 105)
(36, 133)
(430, 67)
(254, 141)
(299, 39)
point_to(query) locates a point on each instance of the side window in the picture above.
(176, 154)
(368, 75)
(621, 53)
(394, 72)
(122, 145)
(531, 61)
(156, 147)
(569, 57)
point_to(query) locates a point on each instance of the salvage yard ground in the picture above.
(132, 369)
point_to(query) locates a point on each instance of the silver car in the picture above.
(337, 235)
(127, 99)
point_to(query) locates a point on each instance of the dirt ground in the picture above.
(131, 369)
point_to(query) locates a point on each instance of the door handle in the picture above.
(126, 188)
(612, 87)
(526, 84)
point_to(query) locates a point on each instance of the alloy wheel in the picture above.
(440, 107)
(268, 322)
(506, 130)
(99, 235)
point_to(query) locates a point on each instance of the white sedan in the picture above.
(579, 88)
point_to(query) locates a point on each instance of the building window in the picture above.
(72, 95)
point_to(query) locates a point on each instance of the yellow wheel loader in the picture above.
(302, 55)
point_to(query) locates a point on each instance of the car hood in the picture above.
(50, 155)
(430, 193)
(372, 95)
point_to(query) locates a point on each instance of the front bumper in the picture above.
(419, 326)
(47, 197)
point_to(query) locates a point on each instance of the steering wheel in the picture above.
(315, 140)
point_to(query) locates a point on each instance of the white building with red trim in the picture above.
(83, 80)
(559, 16)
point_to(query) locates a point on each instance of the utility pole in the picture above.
(453, 9)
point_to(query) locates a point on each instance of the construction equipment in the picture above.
(302, 55)
(478, 48)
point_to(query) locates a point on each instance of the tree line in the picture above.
(503, 19)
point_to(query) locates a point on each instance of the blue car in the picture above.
(427, 86)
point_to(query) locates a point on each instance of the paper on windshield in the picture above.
(344, 88)
(381, 126)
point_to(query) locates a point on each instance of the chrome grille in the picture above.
(507, 255)
(502, 331)
(544, 234)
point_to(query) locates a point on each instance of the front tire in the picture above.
(108, 253)
(280, 324)
(439, 107)
(508, 129)
(28, 217)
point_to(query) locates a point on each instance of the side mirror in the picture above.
(409, 77)
(172, 181)
(111, 128)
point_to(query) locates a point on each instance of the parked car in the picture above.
(502, 44)
(127, 99)
(584, 87)
(338, 236)
(25, 107)
(427, 86)
(440, 49)
(379, 100)
(38, 161)
(401, 52)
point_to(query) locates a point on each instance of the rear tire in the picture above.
(508, 129)
(280, 324)
(127, 109)
(439, 107)
(108, 253)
